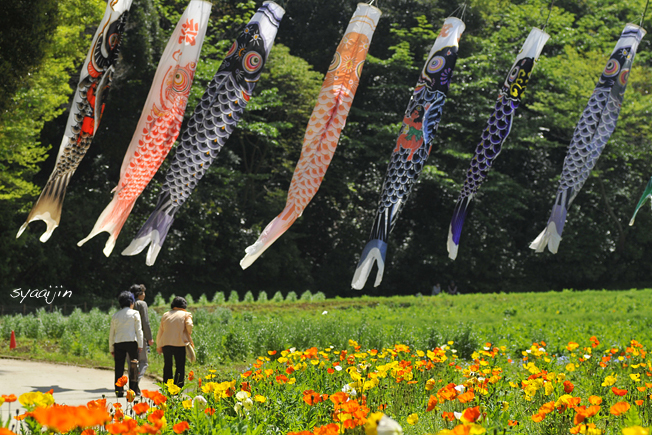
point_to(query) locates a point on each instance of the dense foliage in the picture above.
(246, 186)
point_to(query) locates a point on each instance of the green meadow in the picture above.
(229, 333)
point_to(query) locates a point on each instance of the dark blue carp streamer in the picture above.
(413, 145)
(211, 124)
(495, 133)
(591, 134)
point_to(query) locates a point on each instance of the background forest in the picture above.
(43, 44)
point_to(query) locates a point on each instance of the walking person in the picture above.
(138, 290)
(125, 340)
(173, 335)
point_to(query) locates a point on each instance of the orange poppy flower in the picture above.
(140, 408)
(512, 423)
(156, 416)
(131, 395)
(181, 427)
(245, 386)
(282, 379)
(568, 387)
(619, 408)
(538, 417)
(88, 432)
(639, 402)
(339, 397)
(595, 400)
(191, 375)
(329, 429)
(450, 416)
(9, 398)
(122, 381)
(126, 427)
(547, 408)
(470, 415)
(466, 397)
(618, 391)
(311, 397)
(432, 402)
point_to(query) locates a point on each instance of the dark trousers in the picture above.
(121, 351)
(179, 355)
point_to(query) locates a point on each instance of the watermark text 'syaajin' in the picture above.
(47, 294)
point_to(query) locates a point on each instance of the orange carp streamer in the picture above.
(325, 125)
(160, 121)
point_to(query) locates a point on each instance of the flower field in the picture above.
(590, 388)
(430, 373)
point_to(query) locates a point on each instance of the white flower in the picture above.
(248, 404)
(242, 395)
(199, 402)
(293, 349)
(349, 390)
(457, 415)
(454, 350)
(587, 356)
(481, 379)
(238, 408)
(486, 348)
(388, 426)
(541, 349)
(338, 368)
(528, 351)
(325, 312)
(460, 388)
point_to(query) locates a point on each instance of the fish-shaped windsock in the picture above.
(422, 117)
(591, 134)
(160, 120)
(211, 124)
(647, 194)
(85, 114)
(495, 133)
(325, 125)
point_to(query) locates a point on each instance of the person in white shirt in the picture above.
(125, 338)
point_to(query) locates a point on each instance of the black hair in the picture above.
(179, 302)
(126, 299)
(137, 289)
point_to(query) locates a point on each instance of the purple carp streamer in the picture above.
(324, 128)
(591, 134)
(646, 194)
(498, 128)
(211, 124)
(422, 117)
(159, 122)
(85, 114)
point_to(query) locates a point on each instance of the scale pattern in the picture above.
(85, 115)
(495, 133)
(160, 121)
(597, 123)
(325, 125)
(413, 146)
(211, 124)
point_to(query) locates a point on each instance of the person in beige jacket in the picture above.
(173, 335)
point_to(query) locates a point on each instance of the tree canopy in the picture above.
(247, 185)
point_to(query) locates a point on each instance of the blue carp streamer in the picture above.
(495, 133)
(591, 134)
(413, 146)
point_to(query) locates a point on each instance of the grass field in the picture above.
(524, 363)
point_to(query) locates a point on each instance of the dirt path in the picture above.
(71, 385)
